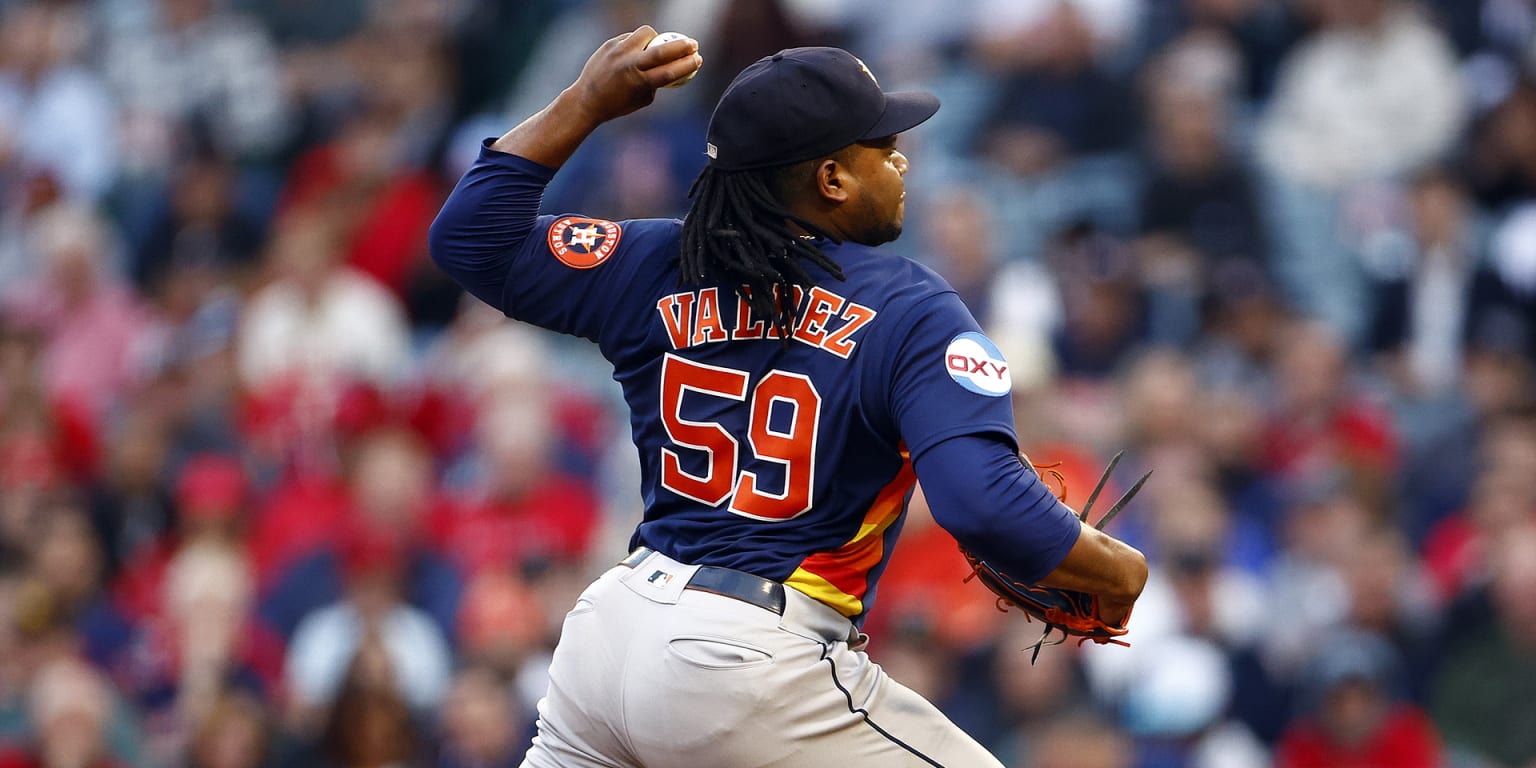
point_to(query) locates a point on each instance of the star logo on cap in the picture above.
(865, 69)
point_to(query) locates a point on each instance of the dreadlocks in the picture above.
(739, 231)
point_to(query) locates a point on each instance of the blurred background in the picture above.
(272, 493)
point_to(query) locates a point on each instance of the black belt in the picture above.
(729, 582)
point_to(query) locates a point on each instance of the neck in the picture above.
(817, 217)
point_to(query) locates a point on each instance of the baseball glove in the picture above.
(1072, 613)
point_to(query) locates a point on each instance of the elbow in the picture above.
(453, 247)
(1131, 576)
(437, 240)
(967, 524)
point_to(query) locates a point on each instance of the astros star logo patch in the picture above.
(581, 243)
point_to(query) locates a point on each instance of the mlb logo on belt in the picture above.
(582, 243)
(975, 363)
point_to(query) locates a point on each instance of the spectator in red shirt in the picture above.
(374, 175)
(1357, 721)
(92, 323)
(1320, 422)
(1503, 495)
(390, 491)
(520, 511)
(44, 438)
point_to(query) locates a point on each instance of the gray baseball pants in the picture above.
(649, 674)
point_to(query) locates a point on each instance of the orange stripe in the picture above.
(839, 578)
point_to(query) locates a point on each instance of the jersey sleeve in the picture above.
(948, 378)
(984, 496)
(565, 273)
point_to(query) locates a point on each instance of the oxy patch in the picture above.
(975, 363)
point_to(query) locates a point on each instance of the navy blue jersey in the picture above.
(790, 461)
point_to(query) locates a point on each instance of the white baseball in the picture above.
(667, 37)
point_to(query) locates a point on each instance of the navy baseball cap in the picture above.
(804, 103)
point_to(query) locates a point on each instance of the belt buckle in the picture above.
(633, 559)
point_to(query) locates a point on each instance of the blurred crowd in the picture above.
(273, 493)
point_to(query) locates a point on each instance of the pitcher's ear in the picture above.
(832, 181)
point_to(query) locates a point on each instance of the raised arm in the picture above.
(620, 77)
(484, 235)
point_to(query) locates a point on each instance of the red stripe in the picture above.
(848, 566)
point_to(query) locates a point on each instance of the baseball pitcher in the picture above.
(787, 384)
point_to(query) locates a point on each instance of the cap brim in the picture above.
(904, 110)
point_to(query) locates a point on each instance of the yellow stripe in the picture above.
(885, 511)
(822, 590)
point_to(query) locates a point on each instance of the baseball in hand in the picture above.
(667, 37)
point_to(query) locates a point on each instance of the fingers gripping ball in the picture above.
(667, 37)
